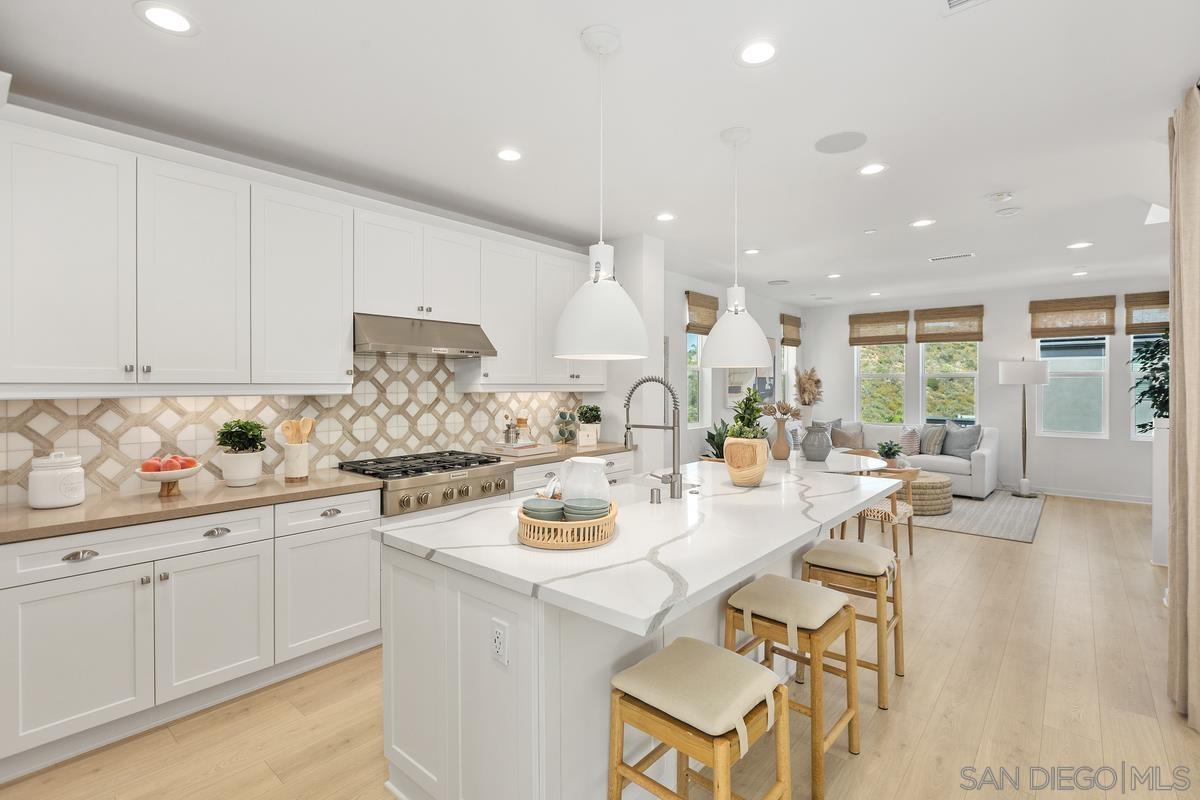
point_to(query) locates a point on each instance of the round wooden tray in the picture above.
(566, 535)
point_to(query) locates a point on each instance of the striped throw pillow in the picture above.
(910, 440)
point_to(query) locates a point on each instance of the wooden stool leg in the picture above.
(817, 703)
(881, 638)
(616, 747)
(895, 543)
(844, 528)
(862, 528)
(681, 773)
(783, 743)
(852, 683)
(722, 769)
(910, 536)
(898, 610)
(730, 631)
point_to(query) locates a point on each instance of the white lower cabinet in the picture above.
(326, 588)
(74, 653)
(213, 618)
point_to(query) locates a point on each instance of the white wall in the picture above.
(765, 311)
(1115, 468)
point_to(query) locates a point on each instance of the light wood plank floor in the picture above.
(1046, 654)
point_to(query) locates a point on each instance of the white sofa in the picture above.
(974, 478)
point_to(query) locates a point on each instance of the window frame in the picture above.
(858, 376)
(1039, 429)
(925, 386)
(1134, 377)
(785, 381)
(704, 378)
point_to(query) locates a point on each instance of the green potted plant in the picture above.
(746, 442)
(715, 439)
(889, 451)
(589, 425)
(243, 443)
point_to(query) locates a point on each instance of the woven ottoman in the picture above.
(931, 495)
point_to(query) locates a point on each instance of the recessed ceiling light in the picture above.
(753, 251)
(834, 275)
(921, 223)
(1079, 245)
(508, 154)
(873, 169)
(1079, 273)
(871, 231)
(1008, 211)
(1000, 197)
(778, 282)
(755, 53)
(665, 216)
(876, 294)
(164, 17)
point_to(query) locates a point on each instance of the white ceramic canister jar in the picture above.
(55, 481)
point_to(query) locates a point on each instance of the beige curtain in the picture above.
(1183, 665)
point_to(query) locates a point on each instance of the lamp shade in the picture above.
(1027, 373)
(736, 341)
(600, 323)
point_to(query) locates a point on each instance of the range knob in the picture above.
(423, 499)
(501, 484)
(448, 493)
(464, 491)
(406, 501)
(487, 487)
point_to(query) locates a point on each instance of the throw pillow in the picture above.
(910, 440)
(931, 439)
(961, 440)
(843, 438)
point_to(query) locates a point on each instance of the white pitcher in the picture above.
(583, 477)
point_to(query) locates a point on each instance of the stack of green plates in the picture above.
(579, 509)
(544, 510)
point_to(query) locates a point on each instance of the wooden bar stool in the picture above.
(864, 570)
(893, 511)
(705, 703)
(792, 618)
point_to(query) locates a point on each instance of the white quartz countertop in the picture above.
(664, 559)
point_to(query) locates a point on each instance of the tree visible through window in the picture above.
(1074, 403)
(1143, 412)
(950, 373)
(881, 382)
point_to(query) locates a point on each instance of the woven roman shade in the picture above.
(1147, 312)
(701, 312)
(1074, 316)
(954, 324)
(791, 330)
(888, 327)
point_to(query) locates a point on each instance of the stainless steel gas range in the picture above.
(434, 480)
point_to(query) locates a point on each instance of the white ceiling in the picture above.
(1063, 103)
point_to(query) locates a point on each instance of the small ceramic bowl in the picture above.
(586, 505)
(539, 505)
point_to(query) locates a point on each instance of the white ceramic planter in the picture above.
(241, 469)
(589, 434)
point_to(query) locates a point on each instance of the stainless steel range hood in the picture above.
(374, 333)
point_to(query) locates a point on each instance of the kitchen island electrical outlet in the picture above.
(499, 641)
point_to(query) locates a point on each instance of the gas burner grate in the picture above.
(409, 466)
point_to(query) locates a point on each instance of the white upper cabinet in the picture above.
(556, 282)
(451, 276)
(193, 275)
(302, 280)
(388, 268)
(509, 283)
(67, 259)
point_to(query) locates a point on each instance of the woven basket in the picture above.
(566, 535)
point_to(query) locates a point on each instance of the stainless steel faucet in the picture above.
(675, 478)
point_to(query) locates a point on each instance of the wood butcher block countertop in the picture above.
(19, 523)
(565, 451)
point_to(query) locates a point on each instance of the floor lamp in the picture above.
(1024, 373)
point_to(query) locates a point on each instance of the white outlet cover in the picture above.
(499, 642)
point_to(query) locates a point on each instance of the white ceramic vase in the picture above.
(241, 469)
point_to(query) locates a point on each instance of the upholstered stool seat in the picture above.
(858, 557)
(803, 605)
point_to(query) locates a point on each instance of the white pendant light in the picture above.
(736, 341)
(600, 322)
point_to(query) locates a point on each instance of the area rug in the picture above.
(1000, 516)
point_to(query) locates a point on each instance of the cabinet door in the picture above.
(326, 588)
(451, 276)
(213, 618)
(193, 277)
(74, 653)
(67, 260)
(556, 282)
(302, 288)
(590, 372)
(388, 270)
(509, 285)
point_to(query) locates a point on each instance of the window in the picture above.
(1142, 412)
(697, 389)
(880, 371)
(949, 374)
(789, 359)
(1075, 402)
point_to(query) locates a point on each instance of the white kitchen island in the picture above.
(497, 656)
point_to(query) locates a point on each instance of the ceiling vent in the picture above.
(953, 6)
(954, 257)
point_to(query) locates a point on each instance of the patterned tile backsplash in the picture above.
(399, 404)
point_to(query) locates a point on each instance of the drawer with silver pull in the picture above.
(326, 512)
(60, 556)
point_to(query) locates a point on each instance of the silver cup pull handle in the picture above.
(213, 533)
(329, 513)
(80, 555)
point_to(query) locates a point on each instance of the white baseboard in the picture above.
(1119, 498)
(51, 753)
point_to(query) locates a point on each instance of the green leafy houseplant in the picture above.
(889, 450)
(242, 436)
(715, 439)
(739, 430)
(1154, 387)
(746, 414)
(588, 415)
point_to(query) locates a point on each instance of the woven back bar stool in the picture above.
(798, 621)
(705, 703)
(865, 570)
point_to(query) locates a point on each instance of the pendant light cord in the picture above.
(601, 71)
(735, 214)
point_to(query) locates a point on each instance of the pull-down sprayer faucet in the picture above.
(675, 478)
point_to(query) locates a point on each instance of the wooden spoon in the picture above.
(306, 428)
(289, 430)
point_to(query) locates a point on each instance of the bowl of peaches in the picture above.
(168, 471)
